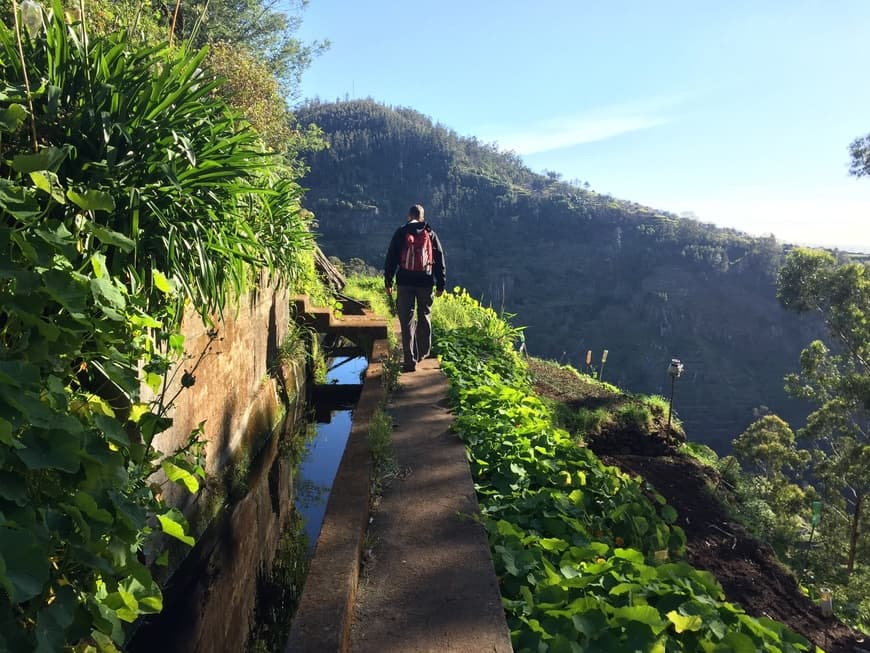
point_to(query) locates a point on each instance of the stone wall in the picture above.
(231, 378)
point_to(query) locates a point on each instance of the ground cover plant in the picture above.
(588, 557)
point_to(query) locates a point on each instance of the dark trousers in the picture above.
(416, 329)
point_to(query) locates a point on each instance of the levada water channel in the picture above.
(238, 588)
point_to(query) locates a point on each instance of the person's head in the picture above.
(416, 212)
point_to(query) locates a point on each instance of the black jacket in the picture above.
(438, 278)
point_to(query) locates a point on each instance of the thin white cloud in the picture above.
(589, 126)
(567, 132)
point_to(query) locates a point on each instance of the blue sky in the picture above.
(740, 112)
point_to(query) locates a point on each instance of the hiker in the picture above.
(416, 259)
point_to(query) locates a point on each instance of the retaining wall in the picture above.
(231, 379)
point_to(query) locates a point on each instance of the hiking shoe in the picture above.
(409, 368)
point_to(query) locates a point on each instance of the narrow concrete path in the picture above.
(428, 582)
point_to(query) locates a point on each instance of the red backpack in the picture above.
(417, 252)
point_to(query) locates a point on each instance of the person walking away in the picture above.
(415, 258)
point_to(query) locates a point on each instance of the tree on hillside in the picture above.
(249, 86)
(860, 153)
(836, 377)
(767, 451)
(264, 27)
(768, 445)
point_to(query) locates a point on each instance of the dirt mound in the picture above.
(746, 568)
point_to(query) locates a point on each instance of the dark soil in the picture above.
(746, 568)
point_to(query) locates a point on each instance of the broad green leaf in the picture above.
(27, 568)
(13, 487)
(561, 644)
(576, 497)
(104, 642)
(632, 555)
(153, 381)
(176, 342)
(126, 511)
(683, 623)
(49, 158)
(598, 548)
(50, 449)
(590, 621)
(174, 524)
(624, 588)
(98, 265)
(11, 117)
(180, 476)
(16, 372)
(553, 544)
(141, 585)
(66, 290)
(151, 424)
(108, 297)
(739, 643)
(757, 626)
(137, 411)
(144, 321)
(49, 183)
(507, 558)
(53, 621)
(113, 430)
(570, 570)
(89, 506)
(92, 200)
(161, 282)
(645, 614)
(109, 237)
(124, 605)
(669, 514)
(100, 406)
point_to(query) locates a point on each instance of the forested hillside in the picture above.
(582, 270)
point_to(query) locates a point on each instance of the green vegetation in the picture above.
(807, 492)
(128, 192)
(588, 557)
(812, 503)
(369, 289)
(296, 343)
(380, 439)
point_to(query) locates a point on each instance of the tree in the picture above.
(768, 445)
(259, 26)
(836, 377)
(860, 153)
(776, 505)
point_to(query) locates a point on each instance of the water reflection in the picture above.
(324, 450)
